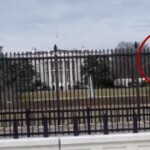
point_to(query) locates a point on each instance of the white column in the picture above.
(63, 75)
(79, 70)
(41, 70)
(70, 70)
(75, 68)
(50, 73)
(91, 91)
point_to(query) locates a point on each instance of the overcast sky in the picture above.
(93, 24)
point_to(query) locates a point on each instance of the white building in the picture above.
(68, 66)
(68, 63)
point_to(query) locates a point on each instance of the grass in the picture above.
(85, 93)
(38, 95)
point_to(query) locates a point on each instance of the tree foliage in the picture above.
(22, 74)
(124, 60)
(99, 69)
(16, 76)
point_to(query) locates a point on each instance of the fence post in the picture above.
(88, 120)
(28, 122)
(137, 82)
(84, 117)
(105, 121)
(45, 126)
(57, 85)
(135, 127)
(15, 128)
(75, 126)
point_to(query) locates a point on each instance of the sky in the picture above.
(71, 24)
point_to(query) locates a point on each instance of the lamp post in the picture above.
(57, 84)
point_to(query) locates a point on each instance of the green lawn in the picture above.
(83, 93)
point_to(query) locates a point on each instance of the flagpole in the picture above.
(57, 37)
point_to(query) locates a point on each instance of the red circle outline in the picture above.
(139, 60)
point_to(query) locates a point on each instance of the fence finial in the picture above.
(136, 45)
(55, 47)
(1, 48)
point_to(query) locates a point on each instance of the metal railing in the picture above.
(73, 92)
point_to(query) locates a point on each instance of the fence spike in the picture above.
(89, 120)
(75, 126)
(135, 126)
(45, 126)
(15, 129)
(105, 121)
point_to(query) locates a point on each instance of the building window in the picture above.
(60, 78)
(67, 64)
(53, 65)
(46, 67)
(67, 76)
(59, 63)
(73, 65)
(53, 76)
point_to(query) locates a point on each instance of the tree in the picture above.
(5, 90)
(125, 45)
(22, 74)
(129, 47)
(124, 60)
(16, 76)
(99, 69)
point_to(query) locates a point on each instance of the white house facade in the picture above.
(68, 67)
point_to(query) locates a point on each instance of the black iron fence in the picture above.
(73, 92)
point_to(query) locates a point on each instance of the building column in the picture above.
(63, 75)
(75, 70)
(50, 74)
(71, 73)
(79, 70)
(41, 70)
